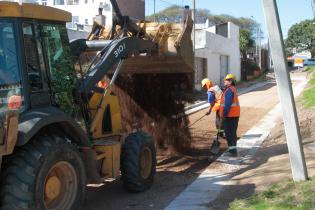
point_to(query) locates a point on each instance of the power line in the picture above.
(169, 3)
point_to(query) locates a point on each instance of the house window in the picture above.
(44, 2)
(59, 2)
(72, 2)
(73, 23)
(86, 1)
(86, 21)
(75, 20)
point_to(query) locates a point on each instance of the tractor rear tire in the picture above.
(47, 173)
(138, 162)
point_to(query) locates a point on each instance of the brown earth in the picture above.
(176, 171)
(151, 103)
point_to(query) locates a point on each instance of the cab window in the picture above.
(31, 58)
(60, 63)
(9, 71)
(10, 80)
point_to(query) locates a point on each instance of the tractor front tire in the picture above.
(138, 162)
(47, 173)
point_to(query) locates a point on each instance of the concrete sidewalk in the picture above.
(216, 178)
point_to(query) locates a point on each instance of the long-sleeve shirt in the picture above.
(211, 97)
(228, 101)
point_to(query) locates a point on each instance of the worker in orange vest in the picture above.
(102, 83)
(214, 98)
(230, 112)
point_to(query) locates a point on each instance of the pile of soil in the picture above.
(306, 122)
(155, 104)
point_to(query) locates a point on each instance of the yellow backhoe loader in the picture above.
(59, 128)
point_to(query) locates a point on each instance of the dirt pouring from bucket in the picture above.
(153, 103)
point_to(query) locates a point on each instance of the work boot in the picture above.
(232, 152)
(221, 134)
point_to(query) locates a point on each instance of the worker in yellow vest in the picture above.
(230, 112)
(214, 98)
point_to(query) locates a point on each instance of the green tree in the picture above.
(301, 36)
(246, 42)
(174, 14)
(248, 26)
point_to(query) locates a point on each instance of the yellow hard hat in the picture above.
(230, 76)
(206, 81)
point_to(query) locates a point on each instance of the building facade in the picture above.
(217, 53)
(84, 11)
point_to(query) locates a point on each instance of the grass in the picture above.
(282, 196)
(310, 68)
(308, 97)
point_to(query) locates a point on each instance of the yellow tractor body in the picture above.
(59, 128)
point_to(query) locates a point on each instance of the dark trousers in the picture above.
(217, 121)
(230, 129)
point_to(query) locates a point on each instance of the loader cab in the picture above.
(47, 63)
(36, 67)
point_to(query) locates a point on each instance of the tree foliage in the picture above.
(246, 41)
(301, 36)
(248, 26)
(174, 14)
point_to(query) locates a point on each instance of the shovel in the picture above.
(215, 147)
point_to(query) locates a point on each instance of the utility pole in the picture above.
(194, 24)
(290, 118)
(259, 47)
(313, 5)
(154, 11)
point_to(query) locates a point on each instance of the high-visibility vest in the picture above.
(102, 84)
(235, 109)
(217, 94)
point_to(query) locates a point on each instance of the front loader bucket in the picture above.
(174, 48)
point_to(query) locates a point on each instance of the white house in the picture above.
(84, 11)
(217, 53)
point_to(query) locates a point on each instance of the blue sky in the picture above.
(291, 11)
